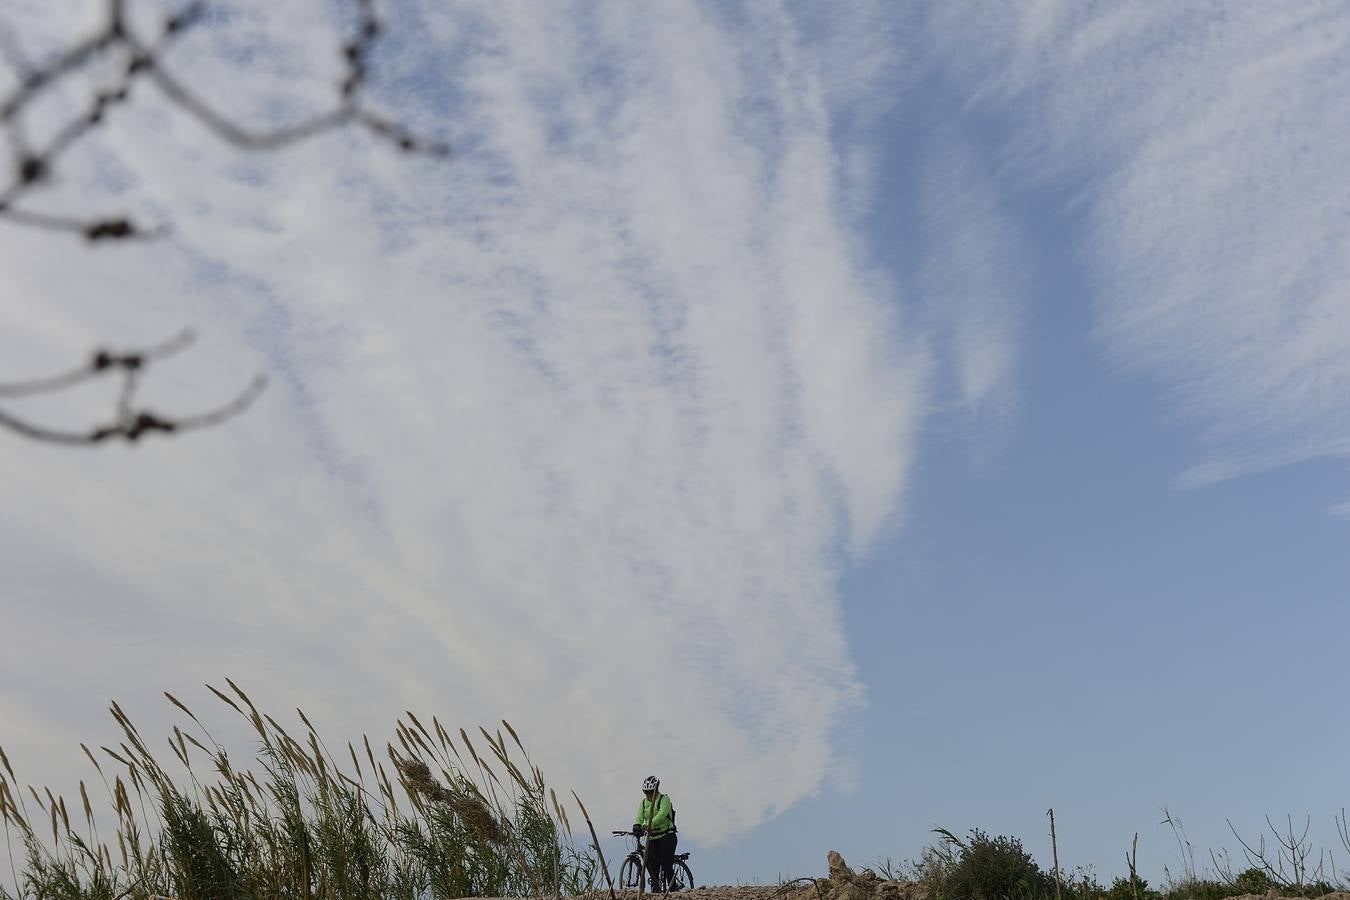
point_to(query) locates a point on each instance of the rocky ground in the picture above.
(843, 883)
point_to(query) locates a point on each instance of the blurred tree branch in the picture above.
(129, 422)
(142, 59)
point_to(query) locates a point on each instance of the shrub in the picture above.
(1121, 889)
(994, 868)
(931, 870)
(1252, 881)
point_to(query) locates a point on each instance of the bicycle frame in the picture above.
(633, 868)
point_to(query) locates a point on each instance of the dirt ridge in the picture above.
(843, 883)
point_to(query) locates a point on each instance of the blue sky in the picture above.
(921, 415)
(1128, 646)
(1060, 621)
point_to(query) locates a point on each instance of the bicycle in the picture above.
(631, 870)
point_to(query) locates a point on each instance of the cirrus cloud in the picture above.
(1208, 146)
(568, 430)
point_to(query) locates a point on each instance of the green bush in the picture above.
(1252, 881)
(994, 868)
(1121, 889)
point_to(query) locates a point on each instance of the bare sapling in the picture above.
(1342, 879)
(1291, 866)
(1054, 850)
(1131, 860)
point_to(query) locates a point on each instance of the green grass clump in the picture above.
(450, 822)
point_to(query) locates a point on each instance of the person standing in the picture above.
(662, 840)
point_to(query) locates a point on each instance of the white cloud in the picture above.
(566, 430)
(1210, 145)
(972, 280)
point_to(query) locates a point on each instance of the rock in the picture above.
(845, 884)
(839, 870)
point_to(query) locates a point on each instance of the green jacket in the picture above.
(663, 819)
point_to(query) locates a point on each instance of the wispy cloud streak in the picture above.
(973, 284)
(569, 430)
(1210, 145)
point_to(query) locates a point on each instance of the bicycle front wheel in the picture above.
(630, 874)
(684, 879)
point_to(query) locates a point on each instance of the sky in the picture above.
(900, 416)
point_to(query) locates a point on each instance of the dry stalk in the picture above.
(595, 842)
(1131, 859)
(1054, 849)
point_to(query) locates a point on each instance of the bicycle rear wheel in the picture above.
(684, 879)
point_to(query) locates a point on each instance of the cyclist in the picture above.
(662, 839)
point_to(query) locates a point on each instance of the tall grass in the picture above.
(444, 818)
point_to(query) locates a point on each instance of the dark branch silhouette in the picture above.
(34, 167)
(129, 423)
(1294, 850)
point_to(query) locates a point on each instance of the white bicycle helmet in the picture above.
(651, 783)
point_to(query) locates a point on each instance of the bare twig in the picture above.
(145, 61)
(1294, 851)
(100, 363)
(1223, 866)
(787, 886)
(129, 422)
(1343, 832)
